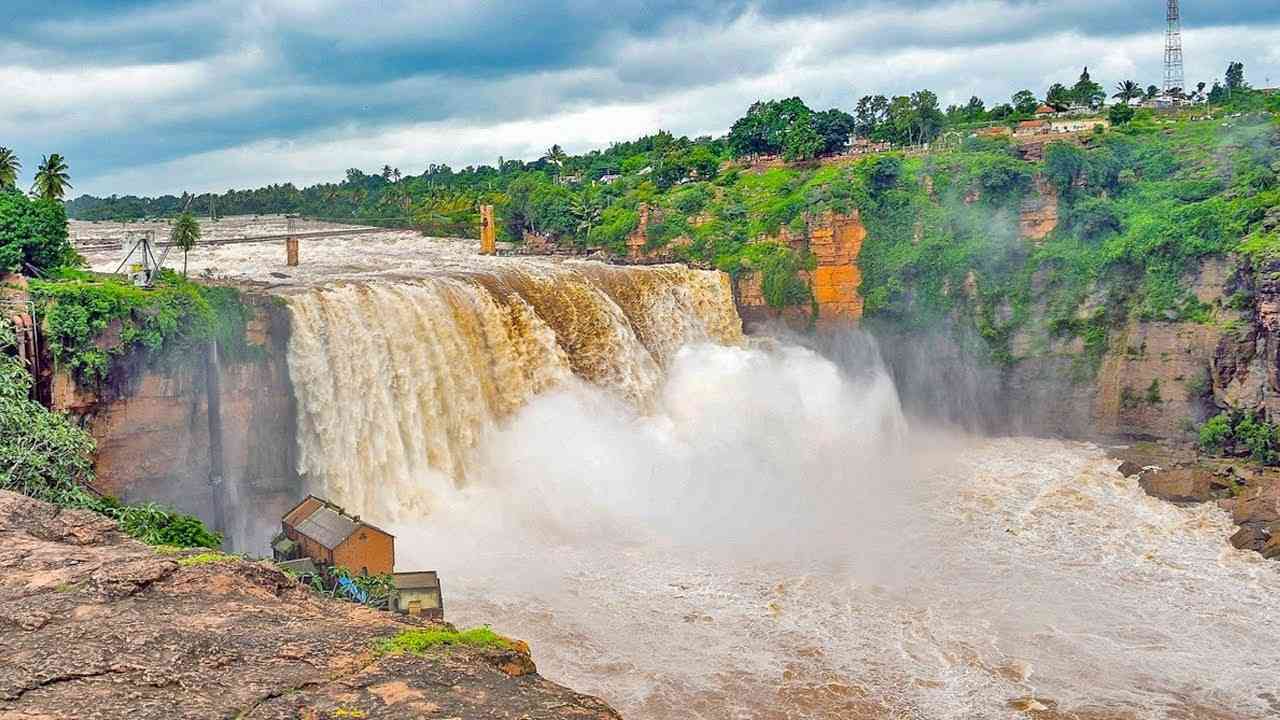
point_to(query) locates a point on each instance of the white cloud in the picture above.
(694, 77)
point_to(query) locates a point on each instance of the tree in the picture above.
(1152, 91)
(556, 156)
(1235, 77)
(834, 127)
(801, 141)
(9, 167)
(928, 120)
(52, 178)
(1087, 92)
(975, 109)
(33, 233)
(871, 112)
(1127, 91)
(1058, 97)
(1120, 114)
(1025, 102)
(184, 234)
(763, 130)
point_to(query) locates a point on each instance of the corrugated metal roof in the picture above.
(416, 580)
(327, 527)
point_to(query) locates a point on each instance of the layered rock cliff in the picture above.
(97, 625)
(201, 433)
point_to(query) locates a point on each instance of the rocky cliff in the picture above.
(201, 432)
(97, 625)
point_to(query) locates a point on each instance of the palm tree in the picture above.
(9, 167)
(1128, 90)
(52, 179)
(556, 155)
(185, 233)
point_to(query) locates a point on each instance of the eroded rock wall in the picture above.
(835, 240)
(153, 430)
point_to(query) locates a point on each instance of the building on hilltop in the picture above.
(316, 528)
(1045, 111)
(1033, 127)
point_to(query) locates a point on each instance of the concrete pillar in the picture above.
(488, 233)
(291, 251)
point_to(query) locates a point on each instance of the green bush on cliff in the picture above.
(46, 456)
(42, 454)
(1245, 431)
(420, 640)
(89, 319)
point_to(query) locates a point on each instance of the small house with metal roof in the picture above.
(329, 535)
(418, 593)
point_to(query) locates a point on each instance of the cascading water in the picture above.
(398, 382)
(692, 525)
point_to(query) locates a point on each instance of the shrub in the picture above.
(174, 316)
(420, 640)
(47, 457)
(1216, 433)
(1152, 395)
(1258, 436)
(42, 453)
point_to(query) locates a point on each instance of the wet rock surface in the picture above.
(96, 625)
(1250, 493)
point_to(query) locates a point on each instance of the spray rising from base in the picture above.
(772, 541)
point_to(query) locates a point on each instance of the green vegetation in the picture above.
(90, 319)
(419, 641)
(9, 167)
(1241, 433)
(52, 178)
(185, 233)
(207, 558)
(1141, 205)
(33, 233)
(44, 455)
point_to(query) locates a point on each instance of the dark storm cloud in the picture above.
(132, 84)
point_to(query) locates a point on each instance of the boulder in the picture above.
(1259, 504)
(1251, 537)
(1129, 469)
(1185, 484)
(1271, 550)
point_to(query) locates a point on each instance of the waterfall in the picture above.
(398, 382)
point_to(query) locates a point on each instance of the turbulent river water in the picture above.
(694, 524)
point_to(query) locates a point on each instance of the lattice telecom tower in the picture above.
(1173, 50)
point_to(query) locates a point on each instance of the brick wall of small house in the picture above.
(367, 549)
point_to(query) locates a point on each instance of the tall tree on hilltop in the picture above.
(870, 114)
(9, 167)
(1087, 92)
(556, 155)
(1025, 102)
(1127, 91)
(184, 234)
(52, 178)
(1058, 97)
(1235, 76)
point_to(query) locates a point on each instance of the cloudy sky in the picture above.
(149, 96)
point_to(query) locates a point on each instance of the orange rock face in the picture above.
(1039, 213)
(835, 241)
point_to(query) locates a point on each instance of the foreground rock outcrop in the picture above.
(96, 625)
